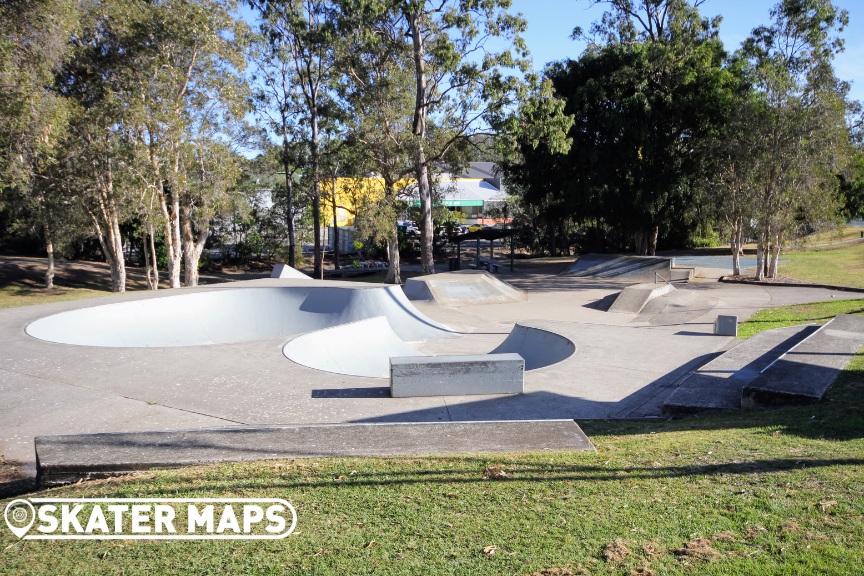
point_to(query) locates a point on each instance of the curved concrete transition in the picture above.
(461, 288)
(538, 347)
(364, 348)
(227, 315)
(361, 348)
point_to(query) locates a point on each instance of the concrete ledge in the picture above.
(64, 459)
(632, 299)
(456, 375)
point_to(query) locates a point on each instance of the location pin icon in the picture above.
(19, 515)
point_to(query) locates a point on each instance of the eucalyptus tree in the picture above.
(302, 33)
(34, 118)
(178, 74)
(377, 86)
(800, 134)
(463, 83)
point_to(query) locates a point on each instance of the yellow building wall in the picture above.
(350, 193)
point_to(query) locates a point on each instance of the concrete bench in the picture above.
(456, 375)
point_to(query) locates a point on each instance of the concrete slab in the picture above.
(806, 371)
(632, 299)
(718, 384)
(456, 375)
(63, 459)
(462, 288)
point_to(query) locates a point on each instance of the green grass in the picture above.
(25, 294)
(828, 265)
(766, 492)
(813, 313)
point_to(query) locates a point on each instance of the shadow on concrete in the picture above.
(376, 392)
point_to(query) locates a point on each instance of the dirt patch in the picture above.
(616, 552)
(699, 549)
(12, 480)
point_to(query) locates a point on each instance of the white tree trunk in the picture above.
(394, 271)
(192, 248)
(49, 247)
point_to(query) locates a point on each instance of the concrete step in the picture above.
(64, 459)
(718, 384)
(806, 372)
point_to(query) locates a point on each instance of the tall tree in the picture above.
(460, 83)
(34, 44)
(302, 32)
(174, 67)
(800, 134)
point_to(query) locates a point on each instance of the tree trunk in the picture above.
(335, 230)
(289, 206)
(427, 261)
(49, 247)
(735, 242)
(152, 284)
(192, 248)
(652, 240)
(394, 271)
(774, 258)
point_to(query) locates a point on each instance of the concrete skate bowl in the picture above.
(465, 287)
(364, 348)
(618, 266)
(226, 315)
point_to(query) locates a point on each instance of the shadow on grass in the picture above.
(471, 472)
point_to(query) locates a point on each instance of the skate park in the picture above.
(292, 352)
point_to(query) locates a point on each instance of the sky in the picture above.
(550, 23)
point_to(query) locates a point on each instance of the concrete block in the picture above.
(726, 326)
(456, 375)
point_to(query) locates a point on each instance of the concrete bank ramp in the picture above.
(286, 271)
(364, 348)
(226, 315)
(718, 384)
(462, 288)
(619, 266)
(632, 299)
(65, 459)
(804, 373)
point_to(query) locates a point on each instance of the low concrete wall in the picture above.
(456, 375)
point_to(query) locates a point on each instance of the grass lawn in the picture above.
(814, 313)
(24, 294)
(827, 265)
